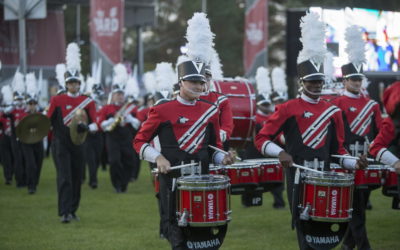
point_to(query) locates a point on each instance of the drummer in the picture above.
(185, 126)
(362, 120)
(312, 127)
(388, 137)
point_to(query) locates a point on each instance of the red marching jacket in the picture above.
(313, 130)
(388, 132)
(61, 110)
(361, 116)
(225, 111)
(184, 131)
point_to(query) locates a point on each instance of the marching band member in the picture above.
(185, 127)
(362, 120)
(70, 157)
(388, 137)
(94, 141)
(312, 127)
(117, 120)
(5, 137)
(33, 153)
(201, 47)
(16, 113)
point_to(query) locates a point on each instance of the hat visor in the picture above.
(195, 78)
(73, 79)
(314, 78)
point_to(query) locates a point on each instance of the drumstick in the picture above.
(308, 169)
(351, 157)
(155, 171)
(224, 152)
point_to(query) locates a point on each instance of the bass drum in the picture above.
(242, 99)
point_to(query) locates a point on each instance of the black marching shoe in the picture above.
(75, 217)
(8, 182)
(65, 218)
(31, 190)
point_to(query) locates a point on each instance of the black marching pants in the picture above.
(19, 167)
(121, 159)
(93, 148)
(357, 234)
(33, 155)
(69, 163)
(6, 157)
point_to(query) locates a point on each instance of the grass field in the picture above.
(130, 220)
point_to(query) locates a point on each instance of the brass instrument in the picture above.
(32, 128)
(80, 116)
(119, 116)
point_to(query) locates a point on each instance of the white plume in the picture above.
(149, 80)
(215, 65)
(97, 74)
(40, 84)
(83, 84)
(279, 80)
(7, 93)
(18, 84)
(132, 87)
(60, 71)
(200, 38)
(263, 81)
(329, 69)
(355, 48)
(120, 75)
(89, 84)
(313, 38)
(165, 77)
(73, 58)
(31, 84)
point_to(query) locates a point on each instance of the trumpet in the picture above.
(119, 116)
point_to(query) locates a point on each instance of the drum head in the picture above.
(323, 235)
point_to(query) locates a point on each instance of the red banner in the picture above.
(45, 40)
(255, 39)
(106, 24)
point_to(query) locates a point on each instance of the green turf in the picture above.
(130, 221)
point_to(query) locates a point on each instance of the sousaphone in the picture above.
(79, 117)
(33, 128)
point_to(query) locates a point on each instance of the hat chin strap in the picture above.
(198, 94)
(308, 91)
(351, 87)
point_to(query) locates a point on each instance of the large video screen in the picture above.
(381, 32)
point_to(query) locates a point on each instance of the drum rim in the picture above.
(238, 166)
(199, 182)
(262, 160)
(318, 179)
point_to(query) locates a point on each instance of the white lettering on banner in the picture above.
(322, 240)
(203, 244)
(254, 33)
(210, 202)
(334, 202)
(106, 26)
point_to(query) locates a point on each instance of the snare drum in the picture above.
(216, 169)
(243, 175)
(326, 197)
(270, 172)
(203, 200)
(370, 177)
(390, 183)
(242, 100)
